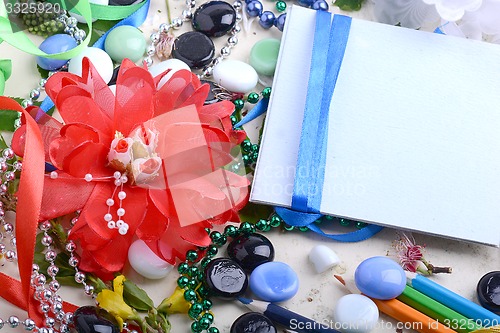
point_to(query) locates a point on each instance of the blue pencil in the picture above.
(452, 300)
(286, 317)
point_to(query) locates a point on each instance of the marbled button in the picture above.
(194, 48)
(225, 278)
(264, 56)
(253, 322)
(274, 282)
(214, 18)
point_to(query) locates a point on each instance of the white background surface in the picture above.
(317, 293)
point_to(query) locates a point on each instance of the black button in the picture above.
(194, 48)
(214, 18)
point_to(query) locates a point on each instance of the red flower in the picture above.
(146, 163)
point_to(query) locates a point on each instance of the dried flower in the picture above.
(411, 256)
(165, 45)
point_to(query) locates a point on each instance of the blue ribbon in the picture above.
(135, 20)
(328, 53)
(257, 110)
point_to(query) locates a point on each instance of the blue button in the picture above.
(274, 282)
(55, 44)
(380, 278)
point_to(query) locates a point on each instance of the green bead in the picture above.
(191, 255)
(231, 231)
(208, 316)
(218, 238)
(280, 6)
(193, 283)
(193, 271)
(182, 281)
(212, 251)
(125, 42)
(195, 310)
(288, 227)
(246, 159)
(182, 268)
(264, 56)
(246, 228)
(261, 225)
(275, 221)
(246, 145)
(303, 229)
(204, 323)
(360, 225)
(204, 262)
(207, 304)
(255, 148)
(196, 327)
(234, 120)
(253, 98)
(213, 330)
(190, 295)
(201, 276)
(266, 92)
(254, 157)
(344, 222)
(203, 291)
(329, 217)
(239, 103)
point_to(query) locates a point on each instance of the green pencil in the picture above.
(438, 311)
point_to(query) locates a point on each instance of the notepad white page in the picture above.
(414, 130)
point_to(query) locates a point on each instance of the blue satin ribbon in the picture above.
(259, 109)
(135, 19)
(328, 53)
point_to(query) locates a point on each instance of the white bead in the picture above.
(108, 217)
(235, 76)
(100, 59)
(355, 313)
(120, 223)
(124, 179)
(88, 177)
(122, 195)
(111, 224)
(53, 175)
(117, 175)
(323, 258)
(118, 182)
(173, 64)
(122, 231)
(120, 211)
(110, 202)
(146, 262)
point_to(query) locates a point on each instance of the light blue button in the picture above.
(380, 278)
(274, 282)
(55, 44)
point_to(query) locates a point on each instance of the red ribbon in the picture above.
(29, 201)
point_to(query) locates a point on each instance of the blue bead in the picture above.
(55, 44)
(254, 8)
(306, 3)
(267, 19)
(380, 278)
(320, 5)
(274, 282)
(280, 22)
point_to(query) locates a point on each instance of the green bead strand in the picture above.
(183, 267)
(196, 327)
(213, 330)
(191, 255)
(266, 92)
(238, 104)
(231, 231)
(280, 6)
(183, 281)
(253, 98)
(190, 295)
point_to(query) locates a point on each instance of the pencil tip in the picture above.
(244, 300)
(340, 279)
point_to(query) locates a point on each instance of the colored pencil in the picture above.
(287, 318)
(412, 318)
(438, 311)
(452, 300)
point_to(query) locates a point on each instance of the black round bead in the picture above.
(214, 18)
(225, 278)
(488, 291)
(251, 251)
(253, 322)
(89, 319)
(194, 48)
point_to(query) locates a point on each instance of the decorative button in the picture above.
(55, 44)
(225, 278)
(323, 258)
(380, 278)
(274, 282)
(100, 59)
(253, 322)
(251, 251)
(194, 48)
(264, 56)
(356, 314)
(236, 76)
(125, 42)
(173, 64)
(146, 262)
(488, 291)
(214, 18)
(89, 319)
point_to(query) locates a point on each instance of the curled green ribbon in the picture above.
(5, 71)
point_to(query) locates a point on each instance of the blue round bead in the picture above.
(55, 44)
(380, 278)
(267, 19)
(306, 3)
(280, 22)
(254, 8)
(274, 282)
(320, 5)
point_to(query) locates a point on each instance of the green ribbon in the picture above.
(89, 11)
(5, 71)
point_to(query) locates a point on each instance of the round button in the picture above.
(356, 314)
(274, 282)
(214, 18)
(253, 322)
(55, 44)
(194, 48)
(264, 56)
(488, 291)
(251, 251)
(125, 42)
(225, 278)
(380, 278)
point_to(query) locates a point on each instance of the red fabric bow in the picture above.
(171, 148)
